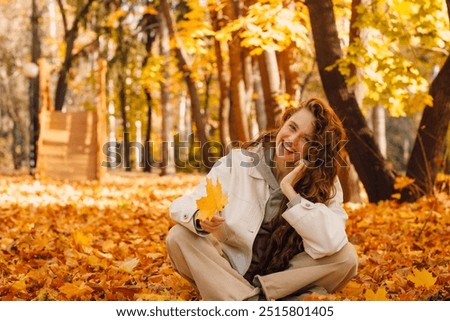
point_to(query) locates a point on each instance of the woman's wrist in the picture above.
(288, 191)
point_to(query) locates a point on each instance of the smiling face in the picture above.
(293, 136)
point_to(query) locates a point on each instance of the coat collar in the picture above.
(261, 169)
(253, 172)
(255, 156)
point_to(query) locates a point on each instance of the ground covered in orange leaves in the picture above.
(91, 241)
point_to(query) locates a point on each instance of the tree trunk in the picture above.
(192, 88)
(224, 99)
(34, 89)
(101, 116)
(168, 158)
(61, 85)
(125, 125)
(69, 37)
(350, 182)
(348, 176)
(123, 99)
(148, 147)
(238, 121)
(427, 156)
(207, 83)
(379, 128)
(355, 32)
(148, 20)
(249, 87)
(289, 76)
(270, 80)
(259, 100)
(373, 170)
(18, 139)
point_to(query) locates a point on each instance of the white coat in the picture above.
(322, 227)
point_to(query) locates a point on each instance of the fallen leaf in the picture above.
(19, 285)
(402, 181)
(380, 295)
(82, 241)
(75, 236)
(352, 288)
(422, 278)
(71, 290)
(128, 265)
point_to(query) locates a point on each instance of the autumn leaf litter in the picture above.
(91, 241)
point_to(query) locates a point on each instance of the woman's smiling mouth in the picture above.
(288, 148)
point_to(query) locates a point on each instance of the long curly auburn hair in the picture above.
(317, 184)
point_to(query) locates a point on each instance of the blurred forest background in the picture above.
(221, 71)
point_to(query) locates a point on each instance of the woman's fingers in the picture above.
(212, 224)
(297, 173)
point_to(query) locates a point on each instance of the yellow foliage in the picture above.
(195, 31)
(269, 25)
(285, 101)
(126, 243)
(151, 10)
(82, 242)
(128, 265)
(397, 33)
(213, 202)
(71, 290)
(113, 19)
(422, 278)
(403, 248)
(81, 239)
(380, 295)
(402, 181)
(406, 9)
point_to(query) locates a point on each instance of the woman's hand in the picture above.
(288, 182)
(213, 224)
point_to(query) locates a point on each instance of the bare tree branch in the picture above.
(63, 15)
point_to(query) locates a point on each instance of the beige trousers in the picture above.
(202, 261)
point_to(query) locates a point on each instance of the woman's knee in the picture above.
(177, 234)
(348, 257)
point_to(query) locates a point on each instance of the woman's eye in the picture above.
(292, 127)
(306, 140)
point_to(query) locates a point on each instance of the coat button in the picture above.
(308, 205)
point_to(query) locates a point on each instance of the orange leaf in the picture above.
(19, 285)
(82, 241)
(352, 288)
(396, 196)
(422, 278)
(402, 181)
(380, 295)
(213, 202)
(129, 264)
(71, 290)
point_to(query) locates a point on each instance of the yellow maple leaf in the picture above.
(213, 202)
(82, 241)
(129, 264)
(352, 288)
(380, 295)
(19, 285)
(71, 290)
(422, 278)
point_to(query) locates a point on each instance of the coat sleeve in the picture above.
(183, 209)
(322, 227)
